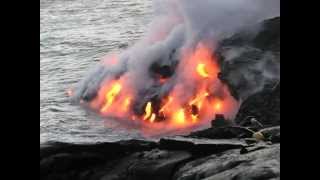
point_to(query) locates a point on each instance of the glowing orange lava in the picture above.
(148, 111)
(162, 80)
(179, 117)
(153, 117)
(126, 104)
(193, 100)
(111, 95)
(217, 106)
(201, 69)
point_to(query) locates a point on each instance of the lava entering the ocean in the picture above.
(167, 81)
(195, 96)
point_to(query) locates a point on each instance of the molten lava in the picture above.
(179, 117)
(201, 69)
(195, 97)
(111, 95)
(148, 111)
(126, 104)
(217, 106)
(153, 117)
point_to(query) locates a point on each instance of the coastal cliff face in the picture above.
(247, 149)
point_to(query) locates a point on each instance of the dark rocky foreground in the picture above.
(223, 152)
(181, 159)
(248, 149)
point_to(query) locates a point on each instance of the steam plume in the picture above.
(177, 27)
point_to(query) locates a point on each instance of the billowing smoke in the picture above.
(179, 29)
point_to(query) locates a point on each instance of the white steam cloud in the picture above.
(178, 25)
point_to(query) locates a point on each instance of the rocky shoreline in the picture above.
(181, 158)
(221, 152)
(247, 149)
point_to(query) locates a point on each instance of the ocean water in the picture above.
(74, 35)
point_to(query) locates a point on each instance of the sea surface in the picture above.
(74, 35)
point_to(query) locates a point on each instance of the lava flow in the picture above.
(195, 97)
(197, 100)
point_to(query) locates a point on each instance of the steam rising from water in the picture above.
(177, 27)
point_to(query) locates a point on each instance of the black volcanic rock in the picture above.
(269, 37)
(223, 133)
(155, 164)
(220, 121)
(266, 39)
(259, 164)
(200, 146)
(179, 157)
(78, 161)
(107, 149)
(263, 106)
(122, 160)
(246, 57)
(164, 71)
(133, 159)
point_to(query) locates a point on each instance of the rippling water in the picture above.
(74, 34)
